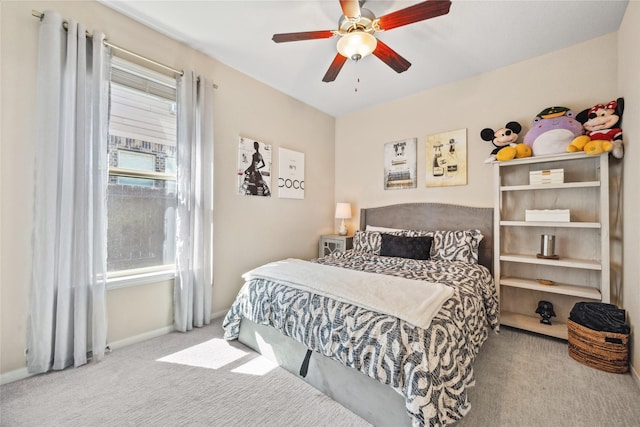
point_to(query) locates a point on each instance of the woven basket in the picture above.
(606, 351)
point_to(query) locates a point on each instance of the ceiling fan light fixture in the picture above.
(356, 45)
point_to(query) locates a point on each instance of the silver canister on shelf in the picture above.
(547, 245)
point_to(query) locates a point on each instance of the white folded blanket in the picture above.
(413, 301)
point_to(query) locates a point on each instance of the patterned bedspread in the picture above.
(430, 367)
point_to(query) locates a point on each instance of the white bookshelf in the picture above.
(582, 270)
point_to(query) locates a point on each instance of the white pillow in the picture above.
(383, 229)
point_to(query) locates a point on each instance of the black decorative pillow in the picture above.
(405, 247)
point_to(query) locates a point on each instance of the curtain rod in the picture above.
(40, 16)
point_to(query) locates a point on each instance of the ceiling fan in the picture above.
(356, 29)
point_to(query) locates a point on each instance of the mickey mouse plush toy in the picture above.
(504, 139)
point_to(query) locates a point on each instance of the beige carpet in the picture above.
(192, 379)
(198, 379)
(528, 380)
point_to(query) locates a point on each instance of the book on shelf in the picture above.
(547, 176)
(547, 215)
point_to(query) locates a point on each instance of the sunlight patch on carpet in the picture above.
(212, 354)
(258, 366)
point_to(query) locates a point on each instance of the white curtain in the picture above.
(67, 318)
(194, 213)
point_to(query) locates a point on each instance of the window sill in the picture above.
(125, 279)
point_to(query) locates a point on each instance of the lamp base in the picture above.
(343, 229)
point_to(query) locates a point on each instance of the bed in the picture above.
(390, 368)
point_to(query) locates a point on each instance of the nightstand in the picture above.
(331, 243)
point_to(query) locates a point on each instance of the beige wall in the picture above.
(629, 86)
(248, 230)
(517, 92)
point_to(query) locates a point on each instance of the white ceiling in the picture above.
(474, 37)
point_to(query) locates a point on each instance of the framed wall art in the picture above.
(446, 159)
(400, 160)
(254, 168)
(291, 174)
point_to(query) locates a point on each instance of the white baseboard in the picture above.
(15, 375)
(139, 338)
(220, 313)
(635, 376)
(156, 333)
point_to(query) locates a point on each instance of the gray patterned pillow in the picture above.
(367, 241)
(458, 245)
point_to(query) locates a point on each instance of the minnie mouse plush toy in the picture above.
(603, 132)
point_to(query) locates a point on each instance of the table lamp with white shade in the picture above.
(343, 211)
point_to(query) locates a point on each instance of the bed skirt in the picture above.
(375, 402)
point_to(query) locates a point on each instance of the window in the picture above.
(142, 173)
(137, 161)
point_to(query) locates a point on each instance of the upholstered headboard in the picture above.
(435, 216)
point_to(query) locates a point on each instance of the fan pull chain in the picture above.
(355, 89)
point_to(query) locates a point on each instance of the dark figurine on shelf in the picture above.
(545, 310)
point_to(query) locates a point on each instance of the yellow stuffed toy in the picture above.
(589, 146)
(513, 151)
(578, 143)
(523, 150)
(598, 146)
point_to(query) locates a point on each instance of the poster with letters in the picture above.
(291, 174)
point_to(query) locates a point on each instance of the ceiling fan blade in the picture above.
(417, 12)
(350, 8)
(391, 57)
(306, 35)
(334, 68)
